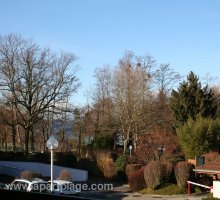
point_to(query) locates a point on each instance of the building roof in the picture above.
(209, 168)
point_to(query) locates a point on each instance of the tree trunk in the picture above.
(14, 137)
(44, 139)
(27, 134)
(126, 142)
(79, 142)
(32, 138)
(5, 139)
(125, 146)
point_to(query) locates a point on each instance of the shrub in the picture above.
(120, 167)
(199, 136)
(29, 175)
(38, 157)
(153, 174)
(131, 168)
(65, 159)
(12, 156)
(106, 165)
(176, 159)
(64, 175)
(121, 163)
(182, 173)
(136, 180)
(90, 166)
(102, 141)
(94, 153)
(197, 189)
(148, 143)
(167, 169)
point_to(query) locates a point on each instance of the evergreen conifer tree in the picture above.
(192, 101)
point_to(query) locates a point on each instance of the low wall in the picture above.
(216, 189)
(12, 168)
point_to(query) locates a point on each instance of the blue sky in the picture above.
(184, 33)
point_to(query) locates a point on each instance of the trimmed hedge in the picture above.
(136, 180)
(131, 168)
(63, 159)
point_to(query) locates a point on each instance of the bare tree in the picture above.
(123, 97)
(126, 100)
(165, 78)
(82, 126)
(8, 117)
(35, 78)
(5, 134)
(102, 99)
(131, 93)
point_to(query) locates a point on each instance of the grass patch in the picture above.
(168, 189)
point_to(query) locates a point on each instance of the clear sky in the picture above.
(184, 33)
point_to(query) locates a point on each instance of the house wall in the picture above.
(15, 168)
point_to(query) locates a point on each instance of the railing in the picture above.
(200, 185)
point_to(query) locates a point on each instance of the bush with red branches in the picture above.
(148, 145)
(136, 180)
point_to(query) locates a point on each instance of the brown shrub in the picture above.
(182, 173)
(167, 169)
(64, 175)
(93, 153)
(29, 175)
(106, 164)
(136, 180)
(153, 174)
(131, 168)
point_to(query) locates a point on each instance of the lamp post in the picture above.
(160, 151)
(130, 148)
(52, 144)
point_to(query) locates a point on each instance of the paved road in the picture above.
(123, 193)
(127, 196)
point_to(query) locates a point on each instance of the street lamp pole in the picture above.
(51, 170)
(160, 151)
(52, 144)
(130, 148)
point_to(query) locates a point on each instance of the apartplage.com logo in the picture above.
(42, 187)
